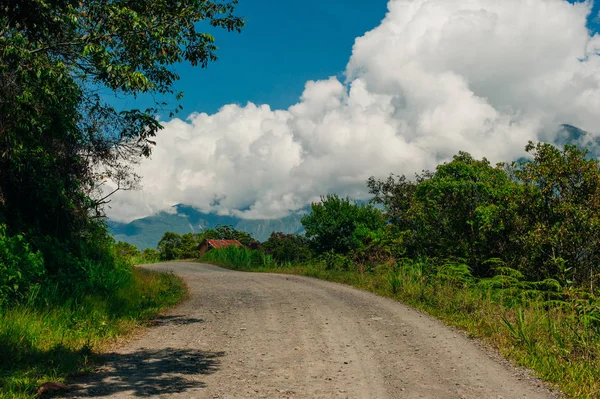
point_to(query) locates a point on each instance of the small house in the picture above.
(207, 245)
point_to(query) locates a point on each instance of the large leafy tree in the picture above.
(169, 246)
(396, 194)
(559, 210)
(189, 246)
(465, 210)
(59, 137)
(337, 224)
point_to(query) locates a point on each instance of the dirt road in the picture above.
(248, 335)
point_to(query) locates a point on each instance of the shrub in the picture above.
(287, 247)
(335, 261)
(21, 269)
(150, 255)
(126, 250)
(334, 222)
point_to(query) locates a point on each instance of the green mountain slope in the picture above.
(146, 232)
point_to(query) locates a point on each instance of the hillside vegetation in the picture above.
(509, 252)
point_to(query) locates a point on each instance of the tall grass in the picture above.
(46, 338)
(551, 329)
(240, 258)
(143, 260)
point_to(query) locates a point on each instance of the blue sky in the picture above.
(284, 44)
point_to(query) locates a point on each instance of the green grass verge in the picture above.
(49, 342)
(559, 344)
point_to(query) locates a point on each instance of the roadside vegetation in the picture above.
(66, 289)
(508, 253)
(132, 255)
(49, 336)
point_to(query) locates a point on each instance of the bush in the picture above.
(335, 261)
(287, 247)
(21, 269)
(150, 255)
(333, 224)
(125, 250)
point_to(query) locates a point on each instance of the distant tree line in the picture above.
(539, 216)
(172, 246)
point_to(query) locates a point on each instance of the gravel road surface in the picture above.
(245, 335)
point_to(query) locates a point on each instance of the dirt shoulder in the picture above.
(244, 335)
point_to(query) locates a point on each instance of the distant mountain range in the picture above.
(146, 232)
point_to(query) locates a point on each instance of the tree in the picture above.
(125, 250)
(188, 248)
(169, 246)
(334, 223)
(174, 246)
(287, 247)
(539, 215)
(464, 210)
(396, 194)
(60, 140)
(559, 210)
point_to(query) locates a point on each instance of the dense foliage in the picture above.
(66, 288)
(61, 141)
(540, 216)
(174, 246)
(20, 268)
(287, 247)
(338, 224)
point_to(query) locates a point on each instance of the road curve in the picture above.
(245, 335)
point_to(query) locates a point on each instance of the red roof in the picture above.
(223, 243)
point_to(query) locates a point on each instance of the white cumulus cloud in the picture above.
(435, 77)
